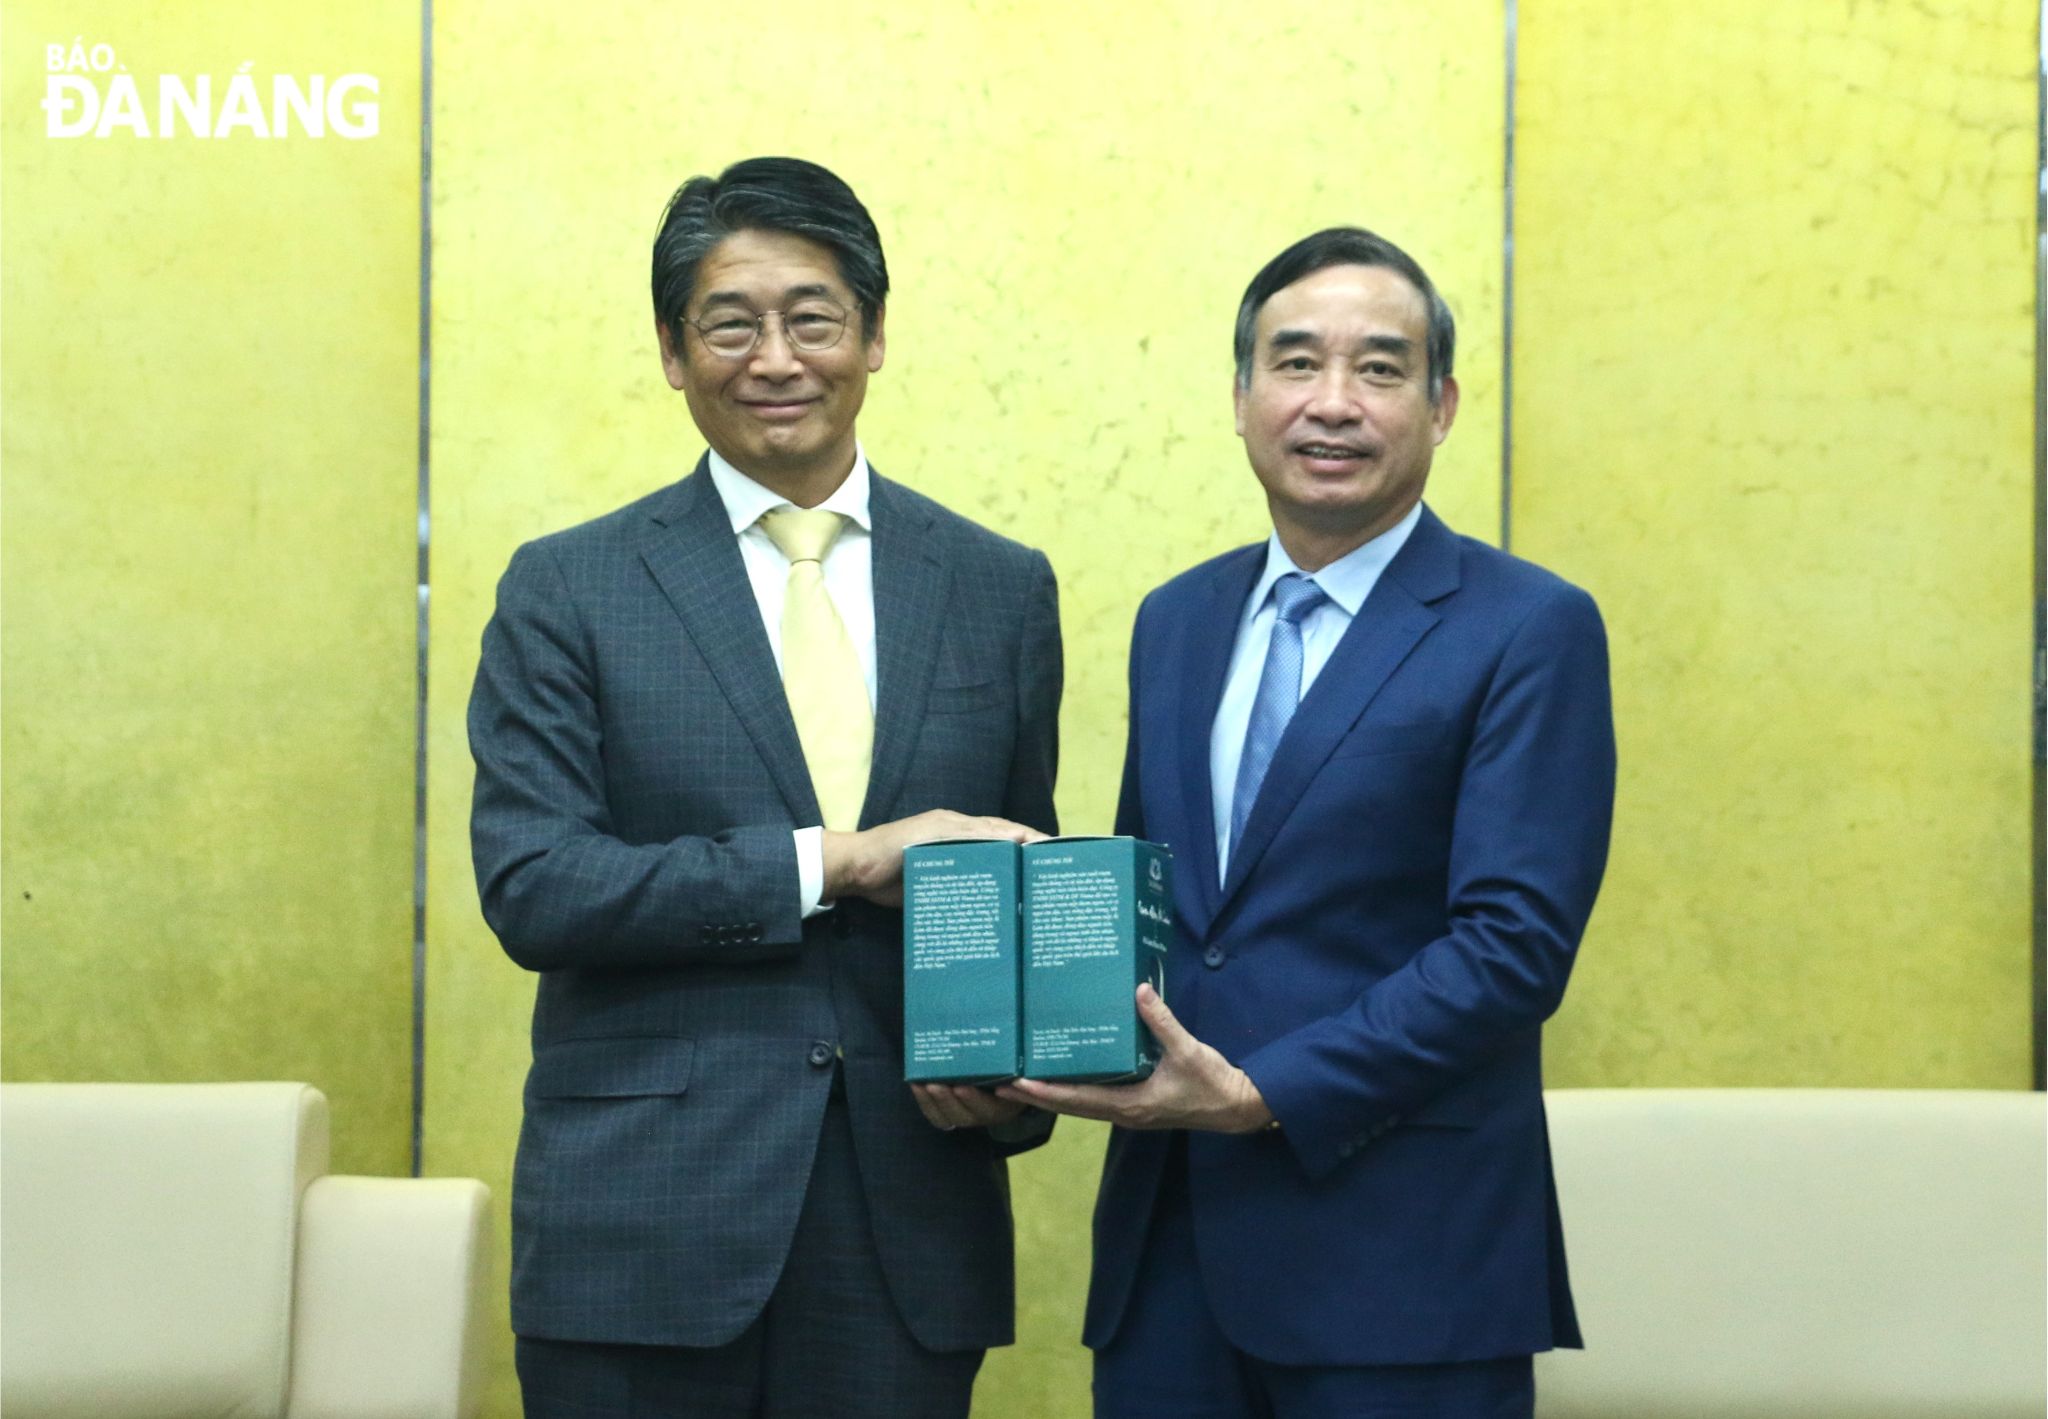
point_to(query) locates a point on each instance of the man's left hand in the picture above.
(950, 1106)
(1193, 1086)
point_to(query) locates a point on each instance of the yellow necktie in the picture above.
(821, 670)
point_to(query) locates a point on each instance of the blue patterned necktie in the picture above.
(1294, 596)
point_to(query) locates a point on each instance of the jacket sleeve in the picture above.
(559, 886)
(1528, 848)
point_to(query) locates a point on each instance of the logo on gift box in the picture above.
(89, 93)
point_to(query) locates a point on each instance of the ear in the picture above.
(671, 358)
(876, 342)
(1237, 394)
(1446, 410)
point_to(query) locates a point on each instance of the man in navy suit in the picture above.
(705, 726)
(1383, 757)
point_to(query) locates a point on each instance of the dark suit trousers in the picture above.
(828, 1345)
(1170, 1360)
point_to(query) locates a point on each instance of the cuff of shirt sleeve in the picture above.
(810, 870)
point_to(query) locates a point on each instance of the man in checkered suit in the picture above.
(726, 1199)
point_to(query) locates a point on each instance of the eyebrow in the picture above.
(794, 293)
(1290, 339)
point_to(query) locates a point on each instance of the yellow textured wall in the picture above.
(1072, 200)
(1773, 406)
(209, 385)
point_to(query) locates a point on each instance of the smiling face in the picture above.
(1336, 417)
(781, 415)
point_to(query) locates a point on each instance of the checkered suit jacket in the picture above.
(638, 777)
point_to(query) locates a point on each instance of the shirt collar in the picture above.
(1346, 581)
(745, 500)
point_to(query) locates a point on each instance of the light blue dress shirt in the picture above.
(1347, 582)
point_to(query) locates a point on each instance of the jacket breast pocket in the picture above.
(1412, 737)
(965, 699)
(626, 1067)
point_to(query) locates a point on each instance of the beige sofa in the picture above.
(179, 1249)
(1821, 1253)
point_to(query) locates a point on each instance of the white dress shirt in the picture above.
(1346, 582)
(849, 581)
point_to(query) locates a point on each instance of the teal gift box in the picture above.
(1098, 914)
(960, 971)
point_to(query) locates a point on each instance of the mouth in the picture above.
(777, 411)
(1332, 455)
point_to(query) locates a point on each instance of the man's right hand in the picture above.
(870, 863)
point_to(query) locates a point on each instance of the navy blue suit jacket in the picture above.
(1399, 919)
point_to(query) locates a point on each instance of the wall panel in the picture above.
(1072, 200)
(210, 383)
(1773, 400)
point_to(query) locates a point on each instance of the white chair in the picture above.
(1824, 1253)
(179, 1249)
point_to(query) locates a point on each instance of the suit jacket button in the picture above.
(821, 1055)
(1213, 957)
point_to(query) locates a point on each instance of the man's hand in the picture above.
(950, 1106)
(870, 864)
(1192, 1087)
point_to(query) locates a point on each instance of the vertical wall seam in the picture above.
(2040, 647)
(1507, 285)
(419, 764)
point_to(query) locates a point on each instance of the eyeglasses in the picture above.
(732, 331)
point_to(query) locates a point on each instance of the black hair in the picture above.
(1345, 246)
(766, 194)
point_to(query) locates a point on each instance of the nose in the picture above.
(773, 357)
(1332, 400)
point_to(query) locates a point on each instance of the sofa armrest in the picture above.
(388, 1299)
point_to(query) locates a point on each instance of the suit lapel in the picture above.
(695, 559)
(1394, 618)
(1213, 630)
(910, 584)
